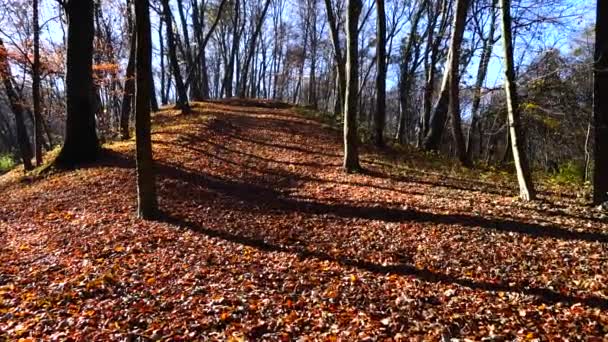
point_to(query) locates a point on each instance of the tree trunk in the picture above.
(442, 105)
(600, 105)
(380, 113)
(526, 188)
(180, 88)
(80, 143)
(351, 153)
(335, 40)
(251, 49)
(146, 188)
(16, 105)
(36, 87)
(129, 87)
(462, 7)
(484, 62)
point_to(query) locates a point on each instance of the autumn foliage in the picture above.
(263, 237)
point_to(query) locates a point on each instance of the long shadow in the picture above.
(277, 200)
(543, 294)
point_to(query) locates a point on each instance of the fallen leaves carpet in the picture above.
(263, 237)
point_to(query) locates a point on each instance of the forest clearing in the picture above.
(263, 236)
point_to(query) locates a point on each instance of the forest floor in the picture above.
(264, 237)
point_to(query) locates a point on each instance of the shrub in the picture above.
(569, 173)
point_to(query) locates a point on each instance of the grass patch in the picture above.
(6, 163)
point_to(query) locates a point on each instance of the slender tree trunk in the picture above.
(146, 188)
(351, 153)
(129, 87)
(380, 113)
(340, 65)
(36, 87)
(16, 104)
(600, 105)
(180, 88)
(251, 49)
(484, 62)
(164, 84)
(80, 143)
(526, 187)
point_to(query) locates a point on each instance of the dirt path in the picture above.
(264, 237)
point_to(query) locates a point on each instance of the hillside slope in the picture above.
(264, 237)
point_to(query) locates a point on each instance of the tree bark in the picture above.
(380, 113)
(80, 143)
(146, 189)
(351, 153)
(524, 178)
(600, 105)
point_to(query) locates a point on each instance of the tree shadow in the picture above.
(277, 200)
(543, 294)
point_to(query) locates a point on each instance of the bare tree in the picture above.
(524, 178)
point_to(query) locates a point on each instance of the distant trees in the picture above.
(80, 141)
(600, 105)
(146, 187)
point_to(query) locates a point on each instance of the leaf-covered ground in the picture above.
(263, 237)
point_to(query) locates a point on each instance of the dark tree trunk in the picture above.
(380, 113)
(80, 143)
(146, 188)
(462, 7)
(600, 105)
(36, 87)
(129, 87)
(351, 151)
(16, 104)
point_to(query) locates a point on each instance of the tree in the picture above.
(600, 105)
(339, 59)
(351, 153)
(180, 87)
(462, 7)
(448, 97)
(146, 188)
(81, 143)
(129, 87)
(36, 86)
(524, 178)
(380, 114)
(16, 104)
